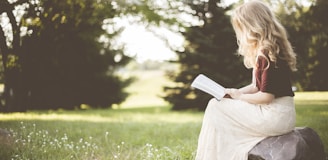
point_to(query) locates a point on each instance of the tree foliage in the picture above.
(66, 64)
(307, 28)
(318, 47)
(60, 53)
(66, 58)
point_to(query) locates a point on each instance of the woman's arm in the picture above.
(255, 98)
(250, 93)
(251, 88)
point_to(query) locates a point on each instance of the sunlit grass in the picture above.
(107, 142)
(142, 128)
(54, 116)
(311, 96)
(145, 133)
(143, 115)
(312, 111)
(147, 90)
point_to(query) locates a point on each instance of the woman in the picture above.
(233, 126)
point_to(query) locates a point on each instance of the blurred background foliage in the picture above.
(61, 54)
(210, 48)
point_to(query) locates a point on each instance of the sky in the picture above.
(145, 45)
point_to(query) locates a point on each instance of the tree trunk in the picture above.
(14, 95)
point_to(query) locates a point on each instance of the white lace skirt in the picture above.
(231, 128)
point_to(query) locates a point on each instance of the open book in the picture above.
(209, 86)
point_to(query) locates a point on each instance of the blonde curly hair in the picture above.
(258, 30)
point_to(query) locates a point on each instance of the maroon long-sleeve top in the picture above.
(275, 79)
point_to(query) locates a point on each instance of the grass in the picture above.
(144, 133)
(312, 111)
(151, 133)
(132, 131)
(147, 90)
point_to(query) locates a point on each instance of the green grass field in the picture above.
(152, 132)
(137, 133)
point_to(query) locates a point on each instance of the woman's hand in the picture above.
(234, 93)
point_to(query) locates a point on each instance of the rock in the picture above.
(300, 144)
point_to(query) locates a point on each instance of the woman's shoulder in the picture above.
(262, 61)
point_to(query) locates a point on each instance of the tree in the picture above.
(307, 28)
(65, 57)
(318, 46)
(66, 64)
(209, 49)
(10, 49)
(64, 54)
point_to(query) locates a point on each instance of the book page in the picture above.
(209, 86)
